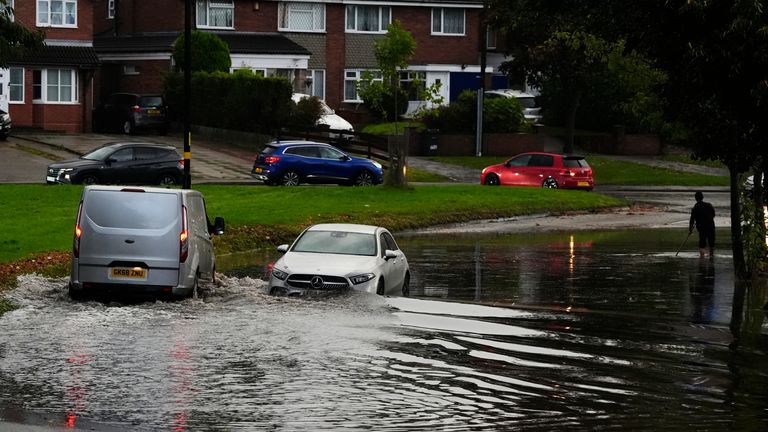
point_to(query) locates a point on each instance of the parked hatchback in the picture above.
(130, 240)
(130, 112)
(121, 163)
(291, 163)
(332, 258)
(547, 170)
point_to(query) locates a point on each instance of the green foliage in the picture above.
(241, 101)
(306, 112)
(15, 39)
(384, 97)
(500, 115)
(393, 128)
(209, 53)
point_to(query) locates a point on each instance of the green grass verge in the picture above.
(687, 159)
(42, 217)
(396, 128)
(611, 172)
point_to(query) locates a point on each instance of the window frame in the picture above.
(281, 9)
(356, 7)
(12, 85)
(48, 13)
(110, 9)
(207, 24)
(442, 31)
(358, 75)
(43, 86)
(313, 90)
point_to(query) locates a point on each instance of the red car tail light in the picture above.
(136, 109)
(566, 172)
(78, 233)
(271, 159)
(184, 236)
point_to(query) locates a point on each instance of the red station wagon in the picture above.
(547, 170)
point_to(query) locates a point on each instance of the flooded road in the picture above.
(595, 330)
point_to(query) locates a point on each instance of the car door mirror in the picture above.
(345, 158)
(389, 254)
(283, 248)
(110, 161)
(218, 225)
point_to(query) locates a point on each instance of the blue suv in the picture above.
(290, 163)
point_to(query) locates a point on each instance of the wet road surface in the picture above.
(585, 331)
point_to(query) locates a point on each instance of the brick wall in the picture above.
(335, 49)
(25, 12)
(440, 49)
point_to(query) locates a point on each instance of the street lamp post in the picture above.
(187, 183)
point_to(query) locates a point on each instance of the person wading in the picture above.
(703, 218)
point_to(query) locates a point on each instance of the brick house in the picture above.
(52, 88)
(322, 47)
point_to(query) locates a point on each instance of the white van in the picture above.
(142, 240)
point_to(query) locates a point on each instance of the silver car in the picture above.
(341, 257)
(141, 240)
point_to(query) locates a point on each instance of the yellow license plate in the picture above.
(153, 111)
(129, 273)
(582, 183)
(257, 170)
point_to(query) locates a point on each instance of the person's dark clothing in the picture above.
(703, 214)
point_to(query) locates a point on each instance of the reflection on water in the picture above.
(504, 333)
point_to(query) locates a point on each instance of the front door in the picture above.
(444, 79)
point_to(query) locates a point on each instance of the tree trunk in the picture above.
(398, 155)
(570, 122)
(739, 264)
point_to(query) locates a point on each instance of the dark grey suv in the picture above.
(130, 112)
(121, 163)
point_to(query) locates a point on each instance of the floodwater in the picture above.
(595, 330)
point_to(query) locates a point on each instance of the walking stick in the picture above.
(686, 239)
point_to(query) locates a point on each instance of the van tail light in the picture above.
(78, 233)
(136, 109)
(271, 159)
(184, 236)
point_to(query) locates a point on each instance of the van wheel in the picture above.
(380, 287)
(76, 295)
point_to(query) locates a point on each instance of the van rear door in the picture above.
(130, 236)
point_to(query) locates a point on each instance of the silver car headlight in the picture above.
(365, 277)
(279, 274)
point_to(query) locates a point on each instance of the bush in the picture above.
(209, 53)
(500, 115)
(306, 112)
(241, 101)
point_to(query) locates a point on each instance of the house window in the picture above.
(54, 85)
(317, 88)
(447, 21)
(295, 16)
(16, 85)
(215, 13)
(111, 9)
(351, 77)
(414, 83)
(372, 19)
(57, 13)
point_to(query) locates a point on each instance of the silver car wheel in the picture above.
(290, 178)
(549, 183)
(364, 178)
(167, 180)
(127, 127)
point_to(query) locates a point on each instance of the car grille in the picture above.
(308, 281)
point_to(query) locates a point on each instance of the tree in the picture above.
(15, 39)
(209, 53)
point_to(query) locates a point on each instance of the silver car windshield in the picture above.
(336, 242)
